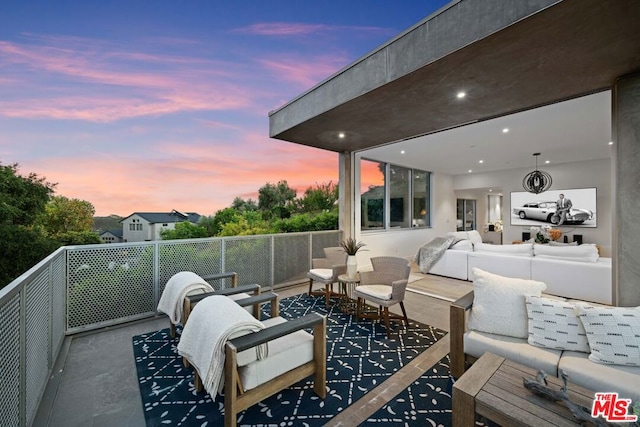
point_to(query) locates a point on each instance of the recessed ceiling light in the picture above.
(505, 130)
(610, 142)
(547, 161)
(470, 171)
(341, 135)
(480, 161)
(490, 190)
(402, 152)
(461, 95)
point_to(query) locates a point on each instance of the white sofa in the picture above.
(470, 338)
(569, 271)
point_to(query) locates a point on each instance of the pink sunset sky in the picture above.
(153, 106)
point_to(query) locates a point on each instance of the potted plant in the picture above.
(351, 247)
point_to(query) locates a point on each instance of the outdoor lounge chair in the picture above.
(384, 286)
(248, 359)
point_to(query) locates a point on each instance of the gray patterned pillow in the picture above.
(555, 324)
(613, 334)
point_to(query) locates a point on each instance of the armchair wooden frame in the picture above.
(458, 320)
(236, 399)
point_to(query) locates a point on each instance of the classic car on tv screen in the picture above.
(546, 211)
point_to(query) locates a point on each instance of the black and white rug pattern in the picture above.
(359, 358)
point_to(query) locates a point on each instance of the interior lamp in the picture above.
(537, 182)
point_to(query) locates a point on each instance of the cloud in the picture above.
(305, 72)
(89, 84)
(299, 28)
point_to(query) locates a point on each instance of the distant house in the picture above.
(112, 236)
(145, 226)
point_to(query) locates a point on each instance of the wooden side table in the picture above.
(346, 285)
(493, 388)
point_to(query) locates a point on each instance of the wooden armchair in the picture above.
(251, 376)
(458, 321)
(184, 284)
(238, 398)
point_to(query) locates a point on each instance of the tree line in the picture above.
(34, 222)
(277, 210)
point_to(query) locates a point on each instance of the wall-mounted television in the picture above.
(539, 209)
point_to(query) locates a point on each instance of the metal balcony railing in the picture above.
(80, 288)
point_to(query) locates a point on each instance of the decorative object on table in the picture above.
(351, 247)
(554, 234)
(541, 234)
(539, 386)
(538, 181)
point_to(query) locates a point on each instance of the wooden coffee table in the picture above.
(493, 388)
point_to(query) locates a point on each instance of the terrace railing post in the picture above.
(223, 259)
(156, 274)
(273, 261)
(23, 356)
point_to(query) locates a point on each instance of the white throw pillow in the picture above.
(583, 253)
(555, 324)
(613, 334)
(499, 303)
(524, 249)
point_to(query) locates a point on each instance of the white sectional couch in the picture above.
(569, 271)
(514, 325)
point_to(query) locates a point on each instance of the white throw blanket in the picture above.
(178, 287)
(214, 321)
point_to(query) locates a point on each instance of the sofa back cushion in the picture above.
(613, 334)
(499, 304)
(554, 323)
(473, 236)
(524, 249)
(581, 253)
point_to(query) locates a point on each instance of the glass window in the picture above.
(421, 191)
(132, 227)
(400, 202)
(372, 194)
(393, 196)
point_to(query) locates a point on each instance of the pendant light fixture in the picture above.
(537, 182)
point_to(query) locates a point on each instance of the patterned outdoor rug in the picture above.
(359, 357)
(426, 402)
